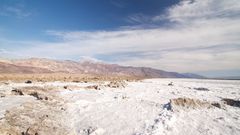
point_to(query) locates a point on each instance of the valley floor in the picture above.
(147, 107)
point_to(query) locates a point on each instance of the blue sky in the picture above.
(33, 17)
(200, 36)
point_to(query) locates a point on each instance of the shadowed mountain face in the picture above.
(36, 65)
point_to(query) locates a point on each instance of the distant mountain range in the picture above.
(228, 77)
(42, 65)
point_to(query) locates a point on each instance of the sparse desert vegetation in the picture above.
(66, 77)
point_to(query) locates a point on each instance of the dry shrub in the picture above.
(201, 89)
(17, 92)
(117, 84)
(231, 102)
(95, 87)
(72, 87)
(40, 93)
(188, 103)
(218, 105)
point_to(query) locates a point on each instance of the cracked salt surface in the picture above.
(142, 112)
(143, 108)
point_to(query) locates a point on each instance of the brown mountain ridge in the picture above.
(42, 65)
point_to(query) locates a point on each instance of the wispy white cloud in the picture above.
(204, 36)
(139, 18)
(118, 3)
(10, 54)
(17, 11)
(191, 10)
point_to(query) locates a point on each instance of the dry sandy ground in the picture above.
(64, 77)
(147, 107)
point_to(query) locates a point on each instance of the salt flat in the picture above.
(145, 107)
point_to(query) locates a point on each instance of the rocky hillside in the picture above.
(11, 68)
(36, 65)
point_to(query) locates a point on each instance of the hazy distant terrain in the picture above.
(36, 65)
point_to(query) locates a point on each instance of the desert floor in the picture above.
(144, 107)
